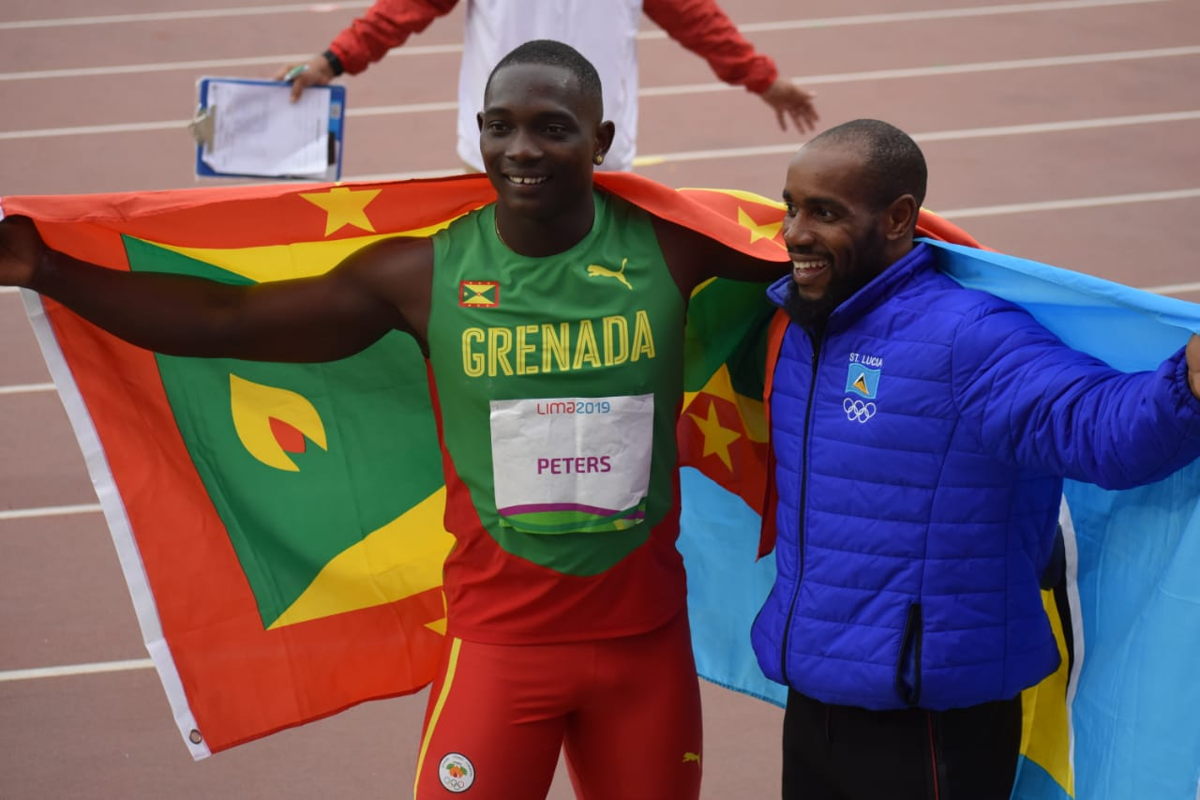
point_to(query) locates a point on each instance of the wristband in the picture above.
(335, 63)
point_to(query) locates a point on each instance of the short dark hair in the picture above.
(556, 54)
(893, 162)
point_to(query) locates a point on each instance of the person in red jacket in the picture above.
(604, 32)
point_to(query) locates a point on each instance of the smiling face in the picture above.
(538, 134)
(837, 235)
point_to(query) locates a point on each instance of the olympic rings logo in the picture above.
(857, 410)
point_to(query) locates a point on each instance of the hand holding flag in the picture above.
(20, 251)
(1193, 362)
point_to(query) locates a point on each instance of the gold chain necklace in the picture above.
(500, 236)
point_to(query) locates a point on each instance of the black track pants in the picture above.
(846, 753)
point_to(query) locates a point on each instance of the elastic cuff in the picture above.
(1187, 404)
(335, 63)
(762, 77)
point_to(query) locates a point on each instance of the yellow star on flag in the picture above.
(344, 206)
(717, 438)
(757, 231)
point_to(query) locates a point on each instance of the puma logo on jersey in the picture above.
(691, 757)
(597, 271)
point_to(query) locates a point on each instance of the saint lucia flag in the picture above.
(1118, 720)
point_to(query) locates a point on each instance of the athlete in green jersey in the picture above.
(558, 380)
(553, 321)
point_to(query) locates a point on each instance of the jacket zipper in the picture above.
(802, 506)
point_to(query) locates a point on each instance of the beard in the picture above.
(814, 313)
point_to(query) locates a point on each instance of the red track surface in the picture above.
(62, 599)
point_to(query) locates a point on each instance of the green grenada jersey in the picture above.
(558, 382)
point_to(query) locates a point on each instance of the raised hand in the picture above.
(791, 102)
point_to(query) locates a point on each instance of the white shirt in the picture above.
(603, 31)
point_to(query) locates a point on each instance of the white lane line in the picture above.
(25, 388)
(74, 669)
(1174, 288)
(409, 51)
(1000, 66)
(933, 136)
(403, 108)
(682, 89)
(937, 71)
(49, 511)
(1078, 202)
(167, 16)
(90, 130)
(127, 69)
(1054, 127)
(919, 16)
(653, 33)
(208, 64)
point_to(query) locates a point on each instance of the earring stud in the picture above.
(598, 159)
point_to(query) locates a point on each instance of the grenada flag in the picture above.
(279, 525)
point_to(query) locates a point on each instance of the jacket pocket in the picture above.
(908, 662)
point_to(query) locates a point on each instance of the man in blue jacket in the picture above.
(921, 433)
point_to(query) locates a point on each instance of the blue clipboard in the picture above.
(205, 130)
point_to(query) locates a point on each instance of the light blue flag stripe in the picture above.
(726, 586)
(1136, 709)
(1136, 712)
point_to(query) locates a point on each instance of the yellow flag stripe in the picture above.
(298, 260)
(1045, 728)
(740, 194)
(399, 560)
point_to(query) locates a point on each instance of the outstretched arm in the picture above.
(1037, 403)
(380, 288)
(387, 24)
(702, 27)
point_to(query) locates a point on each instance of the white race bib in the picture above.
(569, 464)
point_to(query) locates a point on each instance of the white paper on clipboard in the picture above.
(258, 130)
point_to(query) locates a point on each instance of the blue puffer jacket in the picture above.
(919, 450)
